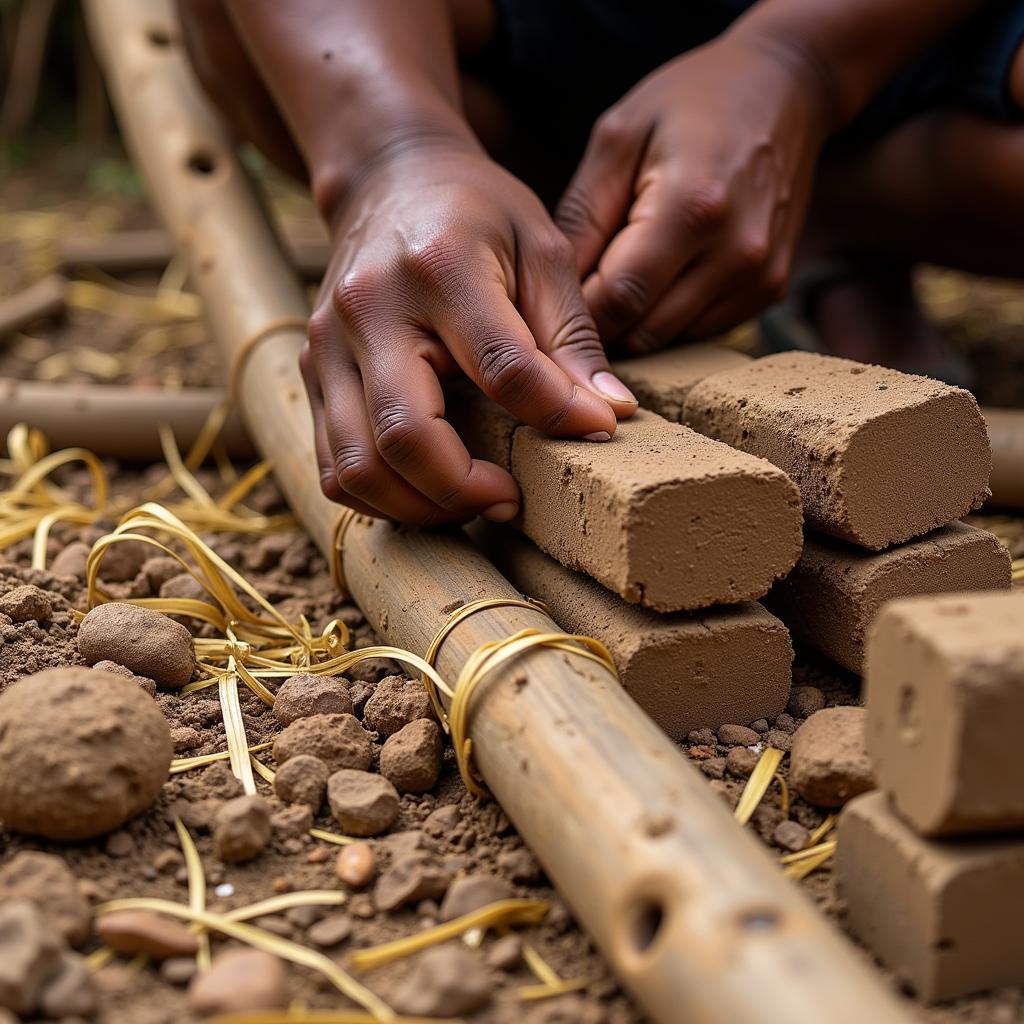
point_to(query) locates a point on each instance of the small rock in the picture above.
(790, 835)
(45, 880)
(121, 562)
(471, 892)
(292, 821)
(785, 722)
(331, 931)
(361, 906)
(829, 763)
(240, 980)
(362, 803)
(441, 820)
(395, 703)
(804, 701)
(520, 865)
(71, 561)
(714, 767)
(70, 992)
(778, 739)
(141, 931)
(159, 570)
(178, 970)
(304, 695)
(219, 781)
(740, 762)
(185, 738)
(506, 953)
(30, 954)
(148, 643)
(119, 844)
(444, 982)
(701, 737)
(302, 780)
(760, 726)
(411, 757)
(186, 587)
(419, 876)
(338, 740)
(356, 865)
(304, 917)
(242, 829)
(737, 736)
(25, 603)
(401, 844)
(142, 682)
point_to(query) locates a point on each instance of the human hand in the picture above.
(691, 196)
(445, 262)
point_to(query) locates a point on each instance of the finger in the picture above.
(551, 304)
(406, 409)
(351, 451)
(663, 236)
(596, 201)
(475, 318)
(737, 307)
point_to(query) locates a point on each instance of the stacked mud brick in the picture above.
(932, 863)
(658, 543)
(886, 463)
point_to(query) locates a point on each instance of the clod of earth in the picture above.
(362, 803)
(445, 982)
(304, 695)
(411, 758)
(417, 876)
(302, 779)
(29, 957)
(242, 829)
(148, 643)
(829, 763)
(240, 980)
(471, 892)
(46, 881)
(25, 603)
(338, 740)
(395, 703)
(113, 756)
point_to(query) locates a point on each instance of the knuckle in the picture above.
(575, 214)
(626, 296)
(751, 253)
(330, 487)
(555, 250)
(355, 473)
(395, 433)
(306, 367)
(431, 262)
(706, 203)
(506, 371)
(612, 129)
(319, 336)
(578, 334)
(356, 294)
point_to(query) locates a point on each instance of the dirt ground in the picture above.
(143, 858)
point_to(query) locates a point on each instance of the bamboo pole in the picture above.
(690, 912)
(118, 421)
(46, 297)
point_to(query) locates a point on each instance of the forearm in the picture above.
(354, 79)
(853, 47)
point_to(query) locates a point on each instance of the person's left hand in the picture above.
(691, 196)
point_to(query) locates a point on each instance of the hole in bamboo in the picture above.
(907, 716)
(201, 162)
(158, 36)
(647, 920)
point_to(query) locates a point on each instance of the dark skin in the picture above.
(683, 218)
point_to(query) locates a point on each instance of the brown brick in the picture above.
(836, 589)
(945, 916)
(685, 670)
(879, 456)
(661, 515)
(945, 695)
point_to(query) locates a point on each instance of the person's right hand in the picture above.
(444, 261)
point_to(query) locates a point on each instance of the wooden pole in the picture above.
(46, 297)
(691, 913)
(118, 421)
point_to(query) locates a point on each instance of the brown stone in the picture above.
(660, 515)
(411, 758)
(25, 603)
(685, 670)
(331, 931)
(148, 643)
(159, 569)
(242, 829)
(302, 779)
(292, 821)
(829, 761)
(415, 877)
(835, 591)
(69, 993)
(240, 980)
(303, 695)
(472, 892)
(29, 956)
(880, 456)
(141, 931)
(338, 740)
(395, 703)
(71, 561)
(45, 880)
(731, 735)
(945, 693)
(122, 561)
(945, 916)
(444, 982)
(362, 803)
(112, 758)
(356, 865)
(505, 953)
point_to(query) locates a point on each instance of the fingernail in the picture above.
(502, 512)
(598, 435)
(612, 388)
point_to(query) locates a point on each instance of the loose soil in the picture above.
(143, 858)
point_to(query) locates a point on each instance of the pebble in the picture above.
(790, 835)
(141, 931)
(395, 703)
(25, 603)
(804, 701)
(148, 643)
(70, 992)
(520, 865)
(185, 738)
(119, 844)
(304, 917)
(411, 758)
(178, 970)
(471, 892)
(239, 981)
(829, 763)
(778, 739)
(444, 982)
(142, 682)
(714, 767)
(242, 829)
(702, 737)
(356, 865)
(71, 561)
(219, 781)
(401, 844)
(760, 726)
(46, 881)
(185, 586)
(292, 821)
(737, 736)
(418, 876)
(122, 561)
(361, 906)
(159, 570)
(338, 740)
(303, 695)
(506, 953)
(30, 953)
(302, 780)
(318, 855)
(362, 803)
(785, 722)
(441, 820)
(740, 762)
(331, 931)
